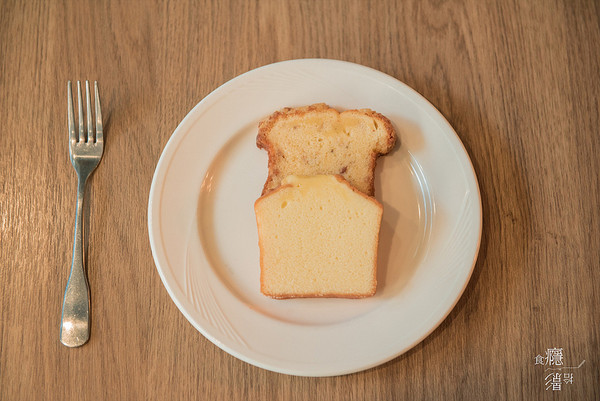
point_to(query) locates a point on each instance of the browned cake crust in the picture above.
(275, 154)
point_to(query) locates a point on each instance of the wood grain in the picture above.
(518, 80)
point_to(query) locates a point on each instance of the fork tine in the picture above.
(80, 107)
(70, 114)
(90, 124)
(99, 137)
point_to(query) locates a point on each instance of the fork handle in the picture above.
(75, 321)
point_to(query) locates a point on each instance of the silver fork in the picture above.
(86, 151)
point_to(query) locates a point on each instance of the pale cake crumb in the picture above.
(318, 237)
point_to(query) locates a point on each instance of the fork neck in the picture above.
(81, 182)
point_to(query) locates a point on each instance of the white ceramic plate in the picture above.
(203, 230)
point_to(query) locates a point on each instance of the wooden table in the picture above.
(519, 81)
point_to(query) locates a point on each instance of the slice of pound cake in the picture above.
(318, 139)
(318, 237)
